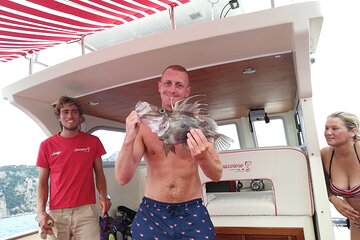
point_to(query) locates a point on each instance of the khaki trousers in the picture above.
(78, 223)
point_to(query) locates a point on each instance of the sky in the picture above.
(335, 73)
(20, 135)
(335, 77)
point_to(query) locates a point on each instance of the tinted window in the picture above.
(270, 134)
(230, 130)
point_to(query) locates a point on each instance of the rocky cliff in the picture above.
(17, 190)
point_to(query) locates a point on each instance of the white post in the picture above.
(30, 63)
(82, 45)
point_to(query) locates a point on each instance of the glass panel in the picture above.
(230, 130)
(112, 141)
(270, 134)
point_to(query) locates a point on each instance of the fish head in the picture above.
(156, 118)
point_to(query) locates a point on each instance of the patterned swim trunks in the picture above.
(166, 221)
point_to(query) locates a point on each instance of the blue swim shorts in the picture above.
(166, 221)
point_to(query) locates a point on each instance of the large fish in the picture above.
(172, 126)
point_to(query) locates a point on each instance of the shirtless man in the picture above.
(172, 206)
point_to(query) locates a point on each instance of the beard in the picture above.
(71, 128)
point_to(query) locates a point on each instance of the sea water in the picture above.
(16, 225)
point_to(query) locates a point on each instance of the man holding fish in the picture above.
(172, 206)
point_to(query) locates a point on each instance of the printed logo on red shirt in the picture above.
(56, 153)
(86, 149)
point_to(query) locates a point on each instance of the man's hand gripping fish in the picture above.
(172, 127)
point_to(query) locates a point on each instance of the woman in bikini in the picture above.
(341, 164)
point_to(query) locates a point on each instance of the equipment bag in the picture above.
(111, 229)
(126, 216)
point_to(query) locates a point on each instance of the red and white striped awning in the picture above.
(32, 25)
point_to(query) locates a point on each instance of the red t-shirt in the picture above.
(70, 161)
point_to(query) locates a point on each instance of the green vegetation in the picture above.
(18, 189)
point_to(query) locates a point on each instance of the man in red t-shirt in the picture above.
(69, 160)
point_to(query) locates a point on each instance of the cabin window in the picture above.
(231, 131)
(112, 139)
(270, 134)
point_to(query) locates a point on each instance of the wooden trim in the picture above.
(281, 231)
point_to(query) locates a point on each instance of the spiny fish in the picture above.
(172, 126)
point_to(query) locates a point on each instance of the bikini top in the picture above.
(347, 193)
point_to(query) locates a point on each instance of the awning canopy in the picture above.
(30, 26)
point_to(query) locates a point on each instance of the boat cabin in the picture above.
(255, 70)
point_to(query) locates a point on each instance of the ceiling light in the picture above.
(91, 103)
(249, 70)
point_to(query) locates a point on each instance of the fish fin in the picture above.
(222, 142)
(168, 148)
(172, 148)
(196, 107)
